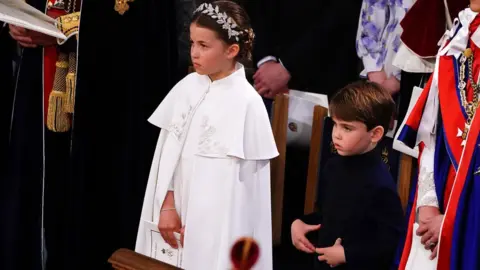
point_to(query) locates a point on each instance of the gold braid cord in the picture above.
(69, 104)
(57, 119)
(121, 6)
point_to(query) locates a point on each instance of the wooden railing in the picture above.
(125, 259)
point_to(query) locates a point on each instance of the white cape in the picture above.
(230, 183)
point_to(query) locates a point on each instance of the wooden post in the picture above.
(405, 178)
(279, 126)
(124, 259)
(319, 114)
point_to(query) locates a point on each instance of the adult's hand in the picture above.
(30, 39)
(377, 76)
(271, 79)
(392, 85)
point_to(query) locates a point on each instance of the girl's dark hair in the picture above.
(240, 18)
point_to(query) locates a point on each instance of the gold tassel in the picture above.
(69, 105)
(57, 119)
(70, 95)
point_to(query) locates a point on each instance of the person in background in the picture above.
(423, 27)
(444, 227)
(80, 143)
(304, 45)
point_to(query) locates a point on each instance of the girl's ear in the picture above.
(232, 51)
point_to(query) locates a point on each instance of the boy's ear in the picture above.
(377, 134)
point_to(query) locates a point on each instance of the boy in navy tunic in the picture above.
(359, 218)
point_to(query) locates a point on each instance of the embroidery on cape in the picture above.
(206, 144)
(178, 128)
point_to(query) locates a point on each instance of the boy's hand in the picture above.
(334, 255)
(299, 230)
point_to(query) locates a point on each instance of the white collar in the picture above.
(238, 73)
(459, 41)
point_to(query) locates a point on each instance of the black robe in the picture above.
(90, 182)
(359, 204)
(7, 56)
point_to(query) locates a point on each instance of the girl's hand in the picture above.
(170, 222)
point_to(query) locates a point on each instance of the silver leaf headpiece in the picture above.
(222, 18)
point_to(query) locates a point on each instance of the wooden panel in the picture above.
(279, 126)
(124, 259)
(405, 178)
(319, 114)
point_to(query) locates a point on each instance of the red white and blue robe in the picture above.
(450, 163)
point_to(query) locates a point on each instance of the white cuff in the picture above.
(369, 65)
(427, 195)
(280, 61)
(266, 59)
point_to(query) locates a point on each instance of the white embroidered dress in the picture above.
(213, 151)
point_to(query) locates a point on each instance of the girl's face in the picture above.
(210, 55)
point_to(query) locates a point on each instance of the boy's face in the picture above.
(352, 137)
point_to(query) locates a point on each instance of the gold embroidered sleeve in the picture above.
(69, 25)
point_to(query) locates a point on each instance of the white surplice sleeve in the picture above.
(427, 195)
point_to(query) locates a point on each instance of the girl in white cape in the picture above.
(210, 175)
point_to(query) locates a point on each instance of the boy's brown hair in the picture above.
(363, 101)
